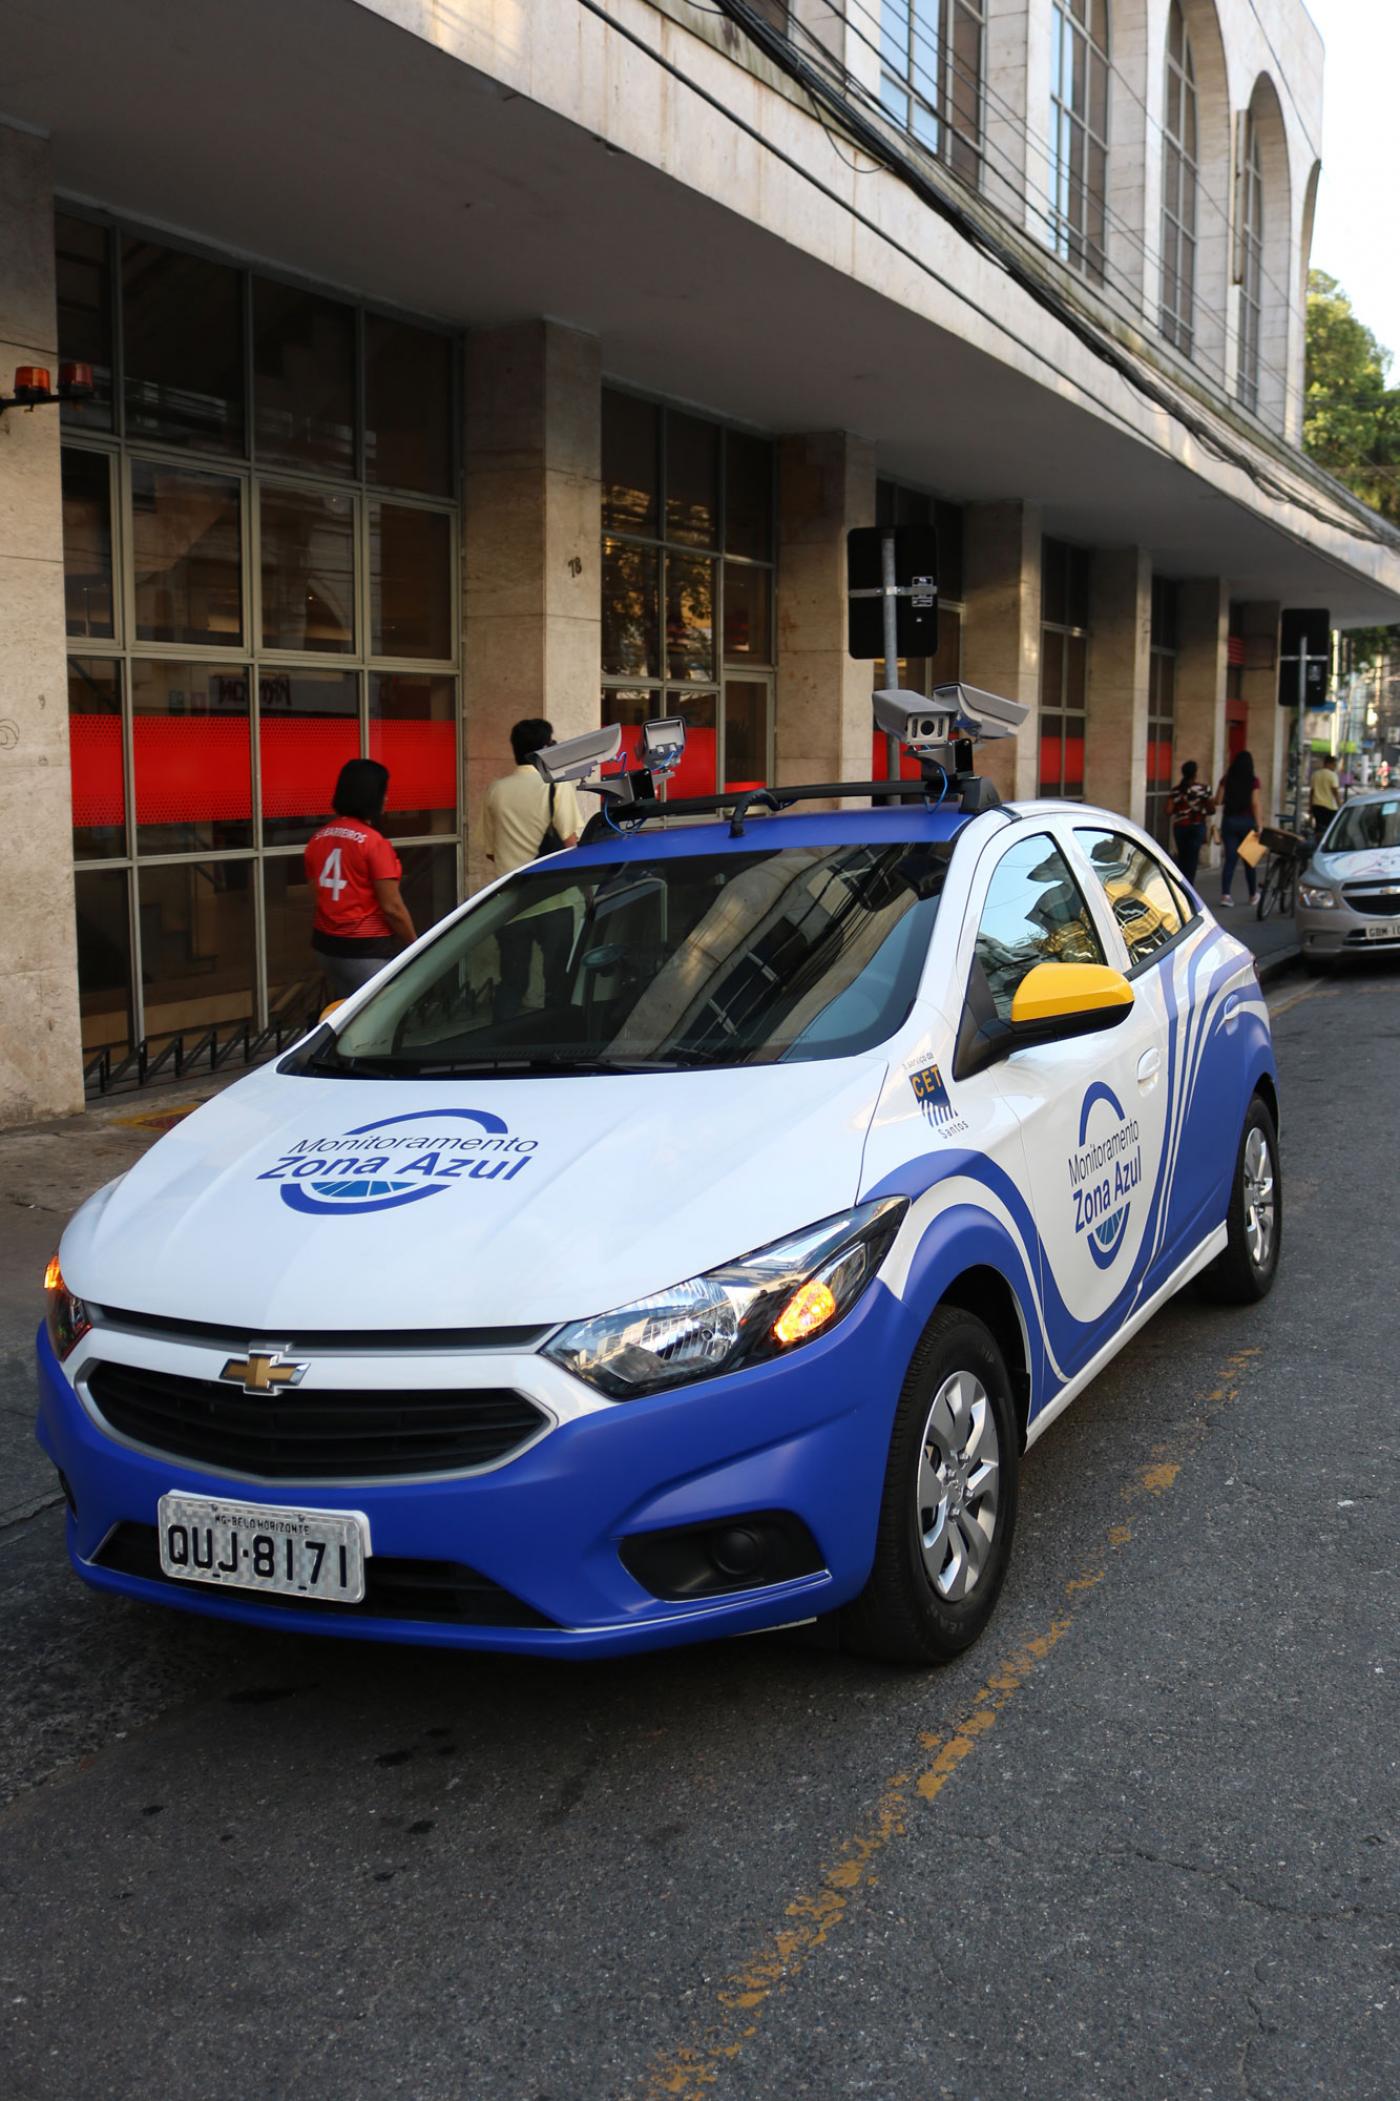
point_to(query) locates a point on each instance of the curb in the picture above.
(1275, 964)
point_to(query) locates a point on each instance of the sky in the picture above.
(1355, 236)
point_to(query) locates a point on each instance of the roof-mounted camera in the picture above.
(575, 758)
(942, 730)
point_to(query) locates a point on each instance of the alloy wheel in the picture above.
(959, 1485)
(1259, 1206)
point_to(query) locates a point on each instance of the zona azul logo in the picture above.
(380, 1167)
(1104, 1172)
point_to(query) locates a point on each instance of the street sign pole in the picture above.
(889, 607)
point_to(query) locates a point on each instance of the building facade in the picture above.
(457, 362)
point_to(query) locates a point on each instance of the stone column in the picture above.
(1202, 657)
(41, 1071)
(1269, 726)
(1001, 631)
(824, 723)
(531, 545)
(1120, 637)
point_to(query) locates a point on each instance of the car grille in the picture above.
(395, 1588)
(309, 1435)
(1375, 901)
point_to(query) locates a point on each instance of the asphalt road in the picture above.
(1140, 1842)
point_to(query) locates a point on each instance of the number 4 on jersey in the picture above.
(330, 877)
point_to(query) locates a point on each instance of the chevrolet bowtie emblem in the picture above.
(262, 1371)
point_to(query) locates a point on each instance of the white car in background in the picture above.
(1348, 899)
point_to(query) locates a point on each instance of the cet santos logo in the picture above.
(1104, 1172)
(381, 1166)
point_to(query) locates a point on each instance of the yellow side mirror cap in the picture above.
(1059, 991)
(326, 1012)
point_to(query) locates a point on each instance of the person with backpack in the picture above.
(523, 817)
(354, 873)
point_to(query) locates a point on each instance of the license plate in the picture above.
(254, 1546)
(1383, 930)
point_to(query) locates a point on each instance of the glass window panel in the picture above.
(303, 379)
(748, 613)
(631, 706)
(410, 581)
(95, 758)
(187, 548)
(692, 480)
(82, 262)
(946, 664)
(408, 407)
(745, 733)
(182, 341)
(631, 474)
(1052, 753)
(413, 731)
(196, 945)
(104, 960)
(690, 617)
(1077, 676)
(1052, 669)
(748, 496)
(296, 991)
(429, 883)
(192, 753)
(87, 543)
(308, 569)
(1141, 899)
(1078, 615)
(1035, 913)
(308, 726)
(631, 611)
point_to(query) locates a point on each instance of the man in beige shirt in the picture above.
(516, 813)
(519, 810)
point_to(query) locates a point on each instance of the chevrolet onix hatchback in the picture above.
(718, 1285)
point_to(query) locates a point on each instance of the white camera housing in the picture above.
(663, 742)
(576, 757)
(954, 712)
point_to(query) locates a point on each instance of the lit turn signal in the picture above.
(808, 1309)
(53, 1275)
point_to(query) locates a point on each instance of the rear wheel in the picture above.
(1245, 1271)
(948, 1510)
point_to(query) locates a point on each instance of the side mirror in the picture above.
(1067, 999)
(326, 1012)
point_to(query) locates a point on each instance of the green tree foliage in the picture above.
(1351, 417)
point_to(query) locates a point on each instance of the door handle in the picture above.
(1149, 1065)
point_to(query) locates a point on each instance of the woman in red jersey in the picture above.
(361, 918)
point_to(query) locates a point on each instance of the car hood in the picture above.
(1367, 864)
(290, 1203)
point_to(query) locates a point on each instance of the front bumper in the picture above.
(807, 1435)
(1340, 931)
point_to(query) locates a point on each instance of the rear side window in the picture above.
(1146, 903)
(1035, 913)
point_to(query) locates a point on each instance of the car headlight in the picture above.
(65, 1315)
(764, 1305)
(1316, 898)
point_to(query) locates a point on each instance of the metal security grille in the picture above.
(261, 538)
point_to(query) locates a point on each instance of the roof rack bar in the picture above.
(622, 817)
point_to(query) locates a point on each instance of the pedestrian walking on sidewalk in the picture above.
(1325, 794)
(354, 873)
(523, 817)
(1190, 804)
(1237, 799)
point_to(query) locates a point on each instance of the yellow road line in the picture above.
(1295, 999)
(813, 1916)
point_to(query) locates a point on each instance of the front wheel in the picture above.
(948, 1509)
(1244, 1272)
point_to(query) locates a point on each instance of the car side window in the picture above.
(1035, 912)
(1141, 896)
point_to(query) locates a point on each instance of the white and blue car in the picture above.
(720, 1284)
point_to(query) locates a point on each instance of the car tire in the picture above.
(939, 1566)
(1244, 1272)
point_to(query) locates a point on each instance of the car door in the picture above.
(1180, 967)
(1091, 1107)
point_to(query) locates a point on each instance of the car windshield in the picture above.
(677, 962)
(1364, 825)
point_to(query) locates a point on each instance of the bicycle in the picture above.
(1278, 884)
